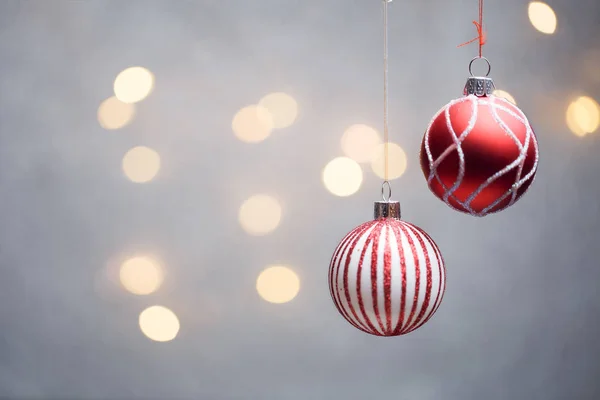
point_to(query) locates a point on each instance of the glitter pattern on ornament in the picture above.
(387, 276)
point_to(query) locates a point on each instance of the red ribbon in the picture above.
(481, 34)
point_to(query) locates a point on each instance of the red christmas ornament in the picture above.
(479, 154)
(387, 277)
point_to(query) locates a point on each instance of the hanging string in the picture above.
(385, 104)
(481, 34)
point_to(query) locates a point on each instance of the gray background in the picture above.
(520, 319)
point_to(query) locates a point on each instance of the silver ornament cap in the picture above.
(479, 86)
(387, 209)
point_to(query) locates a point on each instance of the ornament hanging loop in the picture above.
(479, 86)
(386, 191)
(486, 61)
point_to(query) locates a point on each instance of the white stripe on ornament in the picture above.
(365, 285)
(409, 288)
(396, 279)
(383, 242)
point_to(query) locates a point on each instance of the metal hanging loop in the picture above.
(386, 191)
(480, 58)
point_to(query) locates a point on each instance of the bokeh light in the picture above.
(583, 116)
(114, 114)
(141, 164)
(159, 323)
(342, 176)
(588, 114)
(505, 95)
(133, 84)
(282, 107)
(396, 161)
(542, 17)
(260, 214)
(572, 122)
(360, 142)
(278, 284)
(252, 124)
(141, 275)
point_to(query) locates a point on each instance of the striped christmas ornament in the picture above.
(479, 153)
(387, 277)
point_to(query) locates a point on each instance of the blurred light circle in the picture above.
(159, 323)
(141, 275)
(282, 107)
(542, 17)
(114, 114)
(133, 84)
(342, 176)
(260, 214)
(572, 122)
(505, 95)
(360, 142)
(396, 161)
(587, 114)
(252, 124)
(278, 284)
(583, 116)
(141, 164)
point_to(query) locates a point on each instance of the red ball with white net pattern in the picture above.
(479, 154)
(387, 277)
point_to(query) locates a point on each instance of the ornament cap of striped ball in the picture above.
(387, 209)
(387, 276)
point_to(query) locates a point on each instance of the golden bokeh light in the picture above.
(360, 142)
(141, 275)
(252, 124)
(114, 114)
(278, 284)
(260, 214)
(133, 84)
(587, 114)
(159, 323)
(583, 116)
(282, 107)
(572, 122)
(141, 164)
(396, 161)
(342, 176)
(505, 95)
(542, 17)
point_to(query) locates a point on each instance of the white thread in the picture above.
(385, 92)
